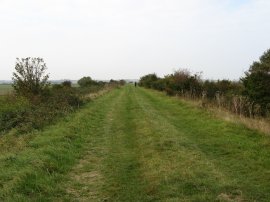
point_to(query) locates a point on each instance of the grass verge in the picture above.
(134, 144)
(37, 171)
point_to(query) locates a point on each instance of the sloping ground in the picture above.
(134, 144)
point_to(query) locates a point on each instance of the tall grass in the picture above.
(259, 123)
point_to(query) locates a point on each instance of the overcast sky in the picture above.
(129, 38)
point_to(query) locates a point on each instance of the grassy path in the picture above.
(134, 144)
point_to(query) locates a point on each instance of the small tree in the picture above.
(148, 80)
(86, 82)
(67, 84)
(30, 78)
(257, 82)
(180, 80)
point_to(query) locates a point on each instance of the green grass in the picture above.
(5, 89)
(35, 168)
(134, 144)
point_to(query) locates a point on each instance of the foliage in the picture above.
(221, 93)
(122, 82)
(67, 84)
(17, 112)
(257, 82)
(223, 87)
(12, 110)
(116, 83)
(86, 82)
(24, 115)
(30, 78)
(180, 82)
(148, 80)
(210, 88)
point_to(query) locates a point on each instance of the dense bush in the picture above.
(87, 82)
(25, 114)
(28, 113)
(249, 96)
(148, 80)
(18, 112)
(257, 83)
(12, 110)
(116, 83)
(181, 82)
(36, 102)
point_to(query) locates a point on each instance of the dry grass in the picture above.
(230, 198)
(14, 143)
(86, 181)
(260, 124)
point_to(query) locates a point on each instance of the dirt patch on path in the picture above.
(85, 180)
(230, 198)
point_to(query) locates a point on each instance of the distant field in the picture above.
(5, 88)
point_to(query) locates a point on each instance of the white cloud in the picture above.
(126, 38)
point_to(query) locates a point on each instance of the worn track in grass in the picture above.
(134, 144)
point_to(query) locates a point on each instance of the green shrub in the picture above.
(12, 109)
(24, 115)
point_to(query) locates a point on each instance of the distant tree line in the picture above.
(250, 96)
